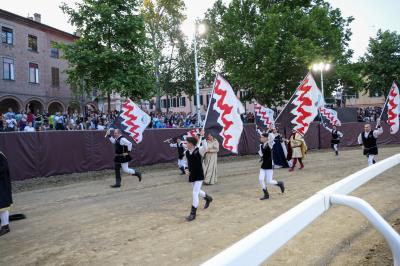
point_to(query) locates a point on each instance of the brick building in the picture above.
(32, 71)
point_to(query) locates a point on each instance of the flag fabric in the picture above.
(264, 116)
(331, 115)
(133, 120)
(393, 109)
(308, 99)
(224, 115)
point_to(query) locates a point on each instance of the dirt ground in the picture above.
(78, 220)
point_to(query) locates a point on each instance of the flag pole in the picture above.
(209, 102)
(291, 98)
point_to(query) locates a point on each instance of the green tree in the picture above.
(266, 47)
(163, 20)
(382, 62)
(111, 54)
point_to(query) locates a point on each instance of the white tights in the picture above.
(4, 216)
(370, 159)
(335, 147)
(126, 169)
(196, 192)
(269, 173)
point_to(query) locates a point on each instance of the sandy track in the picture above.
(87, 223)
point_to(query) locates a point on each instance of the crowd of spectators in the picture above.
(30, 122)
(369, 114)
(93, 120)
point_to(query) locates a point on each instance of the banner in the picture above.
(308, 100)
(224, 115)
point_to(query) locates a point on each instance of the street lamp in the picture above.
(322, 67)
(199, 29)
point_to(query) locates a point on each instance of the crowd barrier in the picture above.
(42, 154)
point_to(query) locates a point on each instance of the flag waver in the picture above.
(264, 116)
(308, 100)
(134, 120)
(393, 109)
(224, 115)
(330, 115)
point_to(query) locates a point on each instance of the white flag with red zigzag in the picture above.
(134, 119)
(330, 115)
(264, 116)
(307, 102)
(393, 109)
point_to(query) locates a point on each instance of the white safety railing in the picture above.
(262, 243)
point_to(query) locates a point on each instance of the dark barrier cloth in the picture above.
(41, 154)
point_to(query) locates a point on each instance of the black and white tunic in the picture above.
(5, 184)
(122, 149)
(266, 153)
(195, 162)
(369, 141)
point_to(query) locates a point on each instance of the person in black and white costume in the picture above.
(266, 171)
(368, 140)
(122, 157)
(178, 143)
(195, 172)
(336, 136)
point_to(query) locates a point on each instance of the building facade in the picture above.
(32, 70)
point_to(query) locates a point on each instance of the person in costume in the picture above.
(368, 139)
(5, 195)
(122, 149)
(266, 172)
(336, 136)
(298, 149)
(279, 150)
(194, 156)
(210, 161)
(180, 146)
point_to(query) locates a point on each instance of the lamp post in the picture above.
(199, 29)
(321, 67)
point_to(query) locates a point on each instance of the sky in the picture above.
(370, 15)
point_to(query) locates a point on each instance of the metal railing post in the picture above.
(360, 205)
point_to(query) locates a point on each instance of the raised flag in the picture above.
(264, 116)
(133, 120)
(223, 115)
(393, 109)
(331, 115)
(308, 99)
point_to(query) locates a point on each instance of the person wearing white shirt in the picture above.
(194, 156)
(368, 139)
(336, 136)
(29, 128)
(267, 167)
(11, 123)
(122, 149)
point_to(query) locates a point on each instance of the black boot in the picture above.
(336, 153)
(281, 185)
(208, 201)
(182, 170)
(373, 162)
(115, 186)
(192, 215)
(139, 175)
(266, 195)
(4, 230)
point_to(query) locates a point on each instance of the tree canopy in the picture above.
(381, 63)
(268, 46)
(111, 54)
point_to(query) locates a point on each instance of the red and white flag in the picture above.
(330, 115)
(308, 99)
(393, 109)
(223, 115)
(134, 120)
(264, 116)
